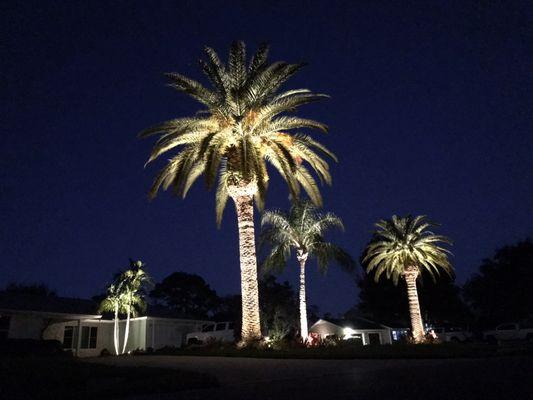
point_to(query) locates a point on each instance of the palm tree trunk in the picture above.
(115, 330)
(243, 199)
(127, 331)
(417, 326)
(302, 258)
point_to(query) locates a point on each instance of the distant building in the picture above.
(76, 324)
(357, 329)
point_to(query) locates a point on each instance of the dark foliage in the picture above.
(501, 291)
(279, 307)
(346, 349)
(37, 289)
(187, 294)
(382, 301)
(229, 308)
(31, 347)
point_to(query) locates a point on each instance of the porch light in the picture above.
(348, 333)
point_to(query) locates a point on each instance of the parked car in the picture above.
(509, 331)
(452, 334)
(215, 331)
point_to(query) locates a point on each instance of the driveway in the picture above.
(261, 379)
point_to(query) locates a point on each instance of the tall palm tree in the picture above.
(114, 302)
(244, 124)
(302, 230)
(403, 247)
(132, 282)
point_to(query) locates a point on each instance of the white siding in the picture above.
(137, 335)
(104, 336)
(324, 329)
(162, 332)
(144, 332)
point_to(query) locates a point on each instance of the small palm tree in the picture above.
(302, 230)
(244, 125)
(114, 302)
(403, 247)
(131, 282)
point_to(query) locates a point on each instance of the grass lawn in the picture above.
(397, 351)
(67, 378)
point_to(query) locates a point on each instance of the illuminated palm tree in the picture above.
(403, 247)
(302, 230)
(131, 282)
(244, 125)
(114, 302)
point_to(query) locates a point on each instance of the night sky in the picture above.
(431, 112)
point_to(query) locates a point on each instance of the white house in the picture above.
(358, 329)
(76, 324)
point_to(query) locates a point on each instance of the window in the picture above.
(4, 326)
(374, 338)
(231, 325)
(221, 326)
(88, 337)
(68, 337)
(208, 328)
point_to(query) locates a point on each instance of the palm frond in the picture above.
(245, 126)
(192, 88)
(222, 196)
(302, 229)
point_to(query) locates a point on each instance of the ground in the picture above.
(261, 379)
(58, 377)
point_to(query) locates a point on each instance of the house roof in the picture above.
(159, 311)
(67, 306)
(50, 304)
(355, 323)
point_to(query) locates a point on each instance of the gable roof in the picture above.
(50, 304)
(355, 323)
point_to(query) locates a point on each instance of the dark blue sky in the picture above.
(431, 112)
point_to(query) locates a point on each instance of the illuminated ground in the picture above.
(248, 378)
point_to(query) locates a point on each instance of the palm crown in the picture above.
(114, 299)
(126, 291)
(244, 125)
(302, 229)
(400, 243)
(132, 282)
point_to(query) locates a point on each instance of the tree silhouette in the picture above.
(384, 302)
(501, 291)
(187, 294)
(37, 289)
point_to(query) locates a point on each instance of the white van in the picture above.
(452, 334)
(508, 332)
(214, 331)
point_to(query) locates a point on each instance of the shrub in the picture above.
(33, 347)
(105, 353)
(332, 341)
